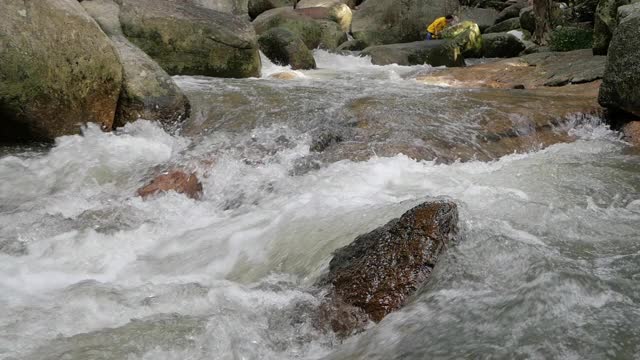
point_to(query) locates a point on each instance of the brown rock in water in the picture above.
(632, 132)
(380, 270)
(176, 180)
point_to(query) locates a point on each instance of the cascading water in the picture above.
(548, 265)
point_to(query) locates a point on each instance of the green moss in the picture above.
(571, 38)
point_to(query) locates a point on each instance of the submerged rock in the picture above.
(148, 92)
(187, 39)
(58, 70)
(283, 47)
(433, 52)
(174, 180)
(620, 88)
(380, 270)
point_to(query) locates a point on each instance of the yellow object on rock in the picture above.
(437, 25)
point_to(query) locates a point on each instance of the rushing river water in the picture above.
(548, 264)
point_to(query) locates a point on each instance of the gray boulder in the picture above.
(433, 52)
(501, 45)
(309, 30)
(620, 89)
(148, 92)
(283, 47)
(483, 17)
(389, 21)
(58, 70)
(187, 39)
(352, 45)
(604, 25)
(507, 25)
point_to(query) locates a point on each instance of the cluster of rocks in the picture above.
(68, 62)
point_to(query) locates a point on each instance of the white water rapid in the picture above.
(548, 265)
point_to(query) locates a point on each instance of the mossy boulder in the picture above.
(283, 47)
(332, 35)
(604, 24)
(465, 36)
(434, 53)
(390, 21)
(187, 39)
(620, 89)
(58, 70)
(483, 17)
(309, 30)
(148, 92)
(507, 25)
(568, 38)
(528, 19)
(501, 45)
(352, 45)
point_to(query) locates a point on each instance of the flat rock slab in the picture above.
(530, 71)
(380, 270)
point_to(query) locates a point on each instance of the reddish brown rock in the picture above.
(632, 132)
(174, 180)
(375, 274)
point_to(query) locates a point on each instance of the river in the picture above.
(547, 265)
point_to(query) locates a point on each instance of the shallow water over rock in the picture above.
(547, 265)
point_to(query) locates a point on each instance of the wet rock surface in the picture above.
(380, 270)
(631, 133)
(174, 180)
(148, 92)
(59, 70)
(283, 47)
(187, 39)
(532, 71)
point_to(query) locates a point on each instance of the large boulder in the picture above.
(466, 36)
(309, 30)
(504, 26)
(58, 70)
(283, 47)
(604, 25)
(433, 52)
(389, 21)
(257, 7)
(148, 92)
(187, 39)
(379, 271)
(569, 38)
(620, 88)
(501, 45)
(483, 17)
